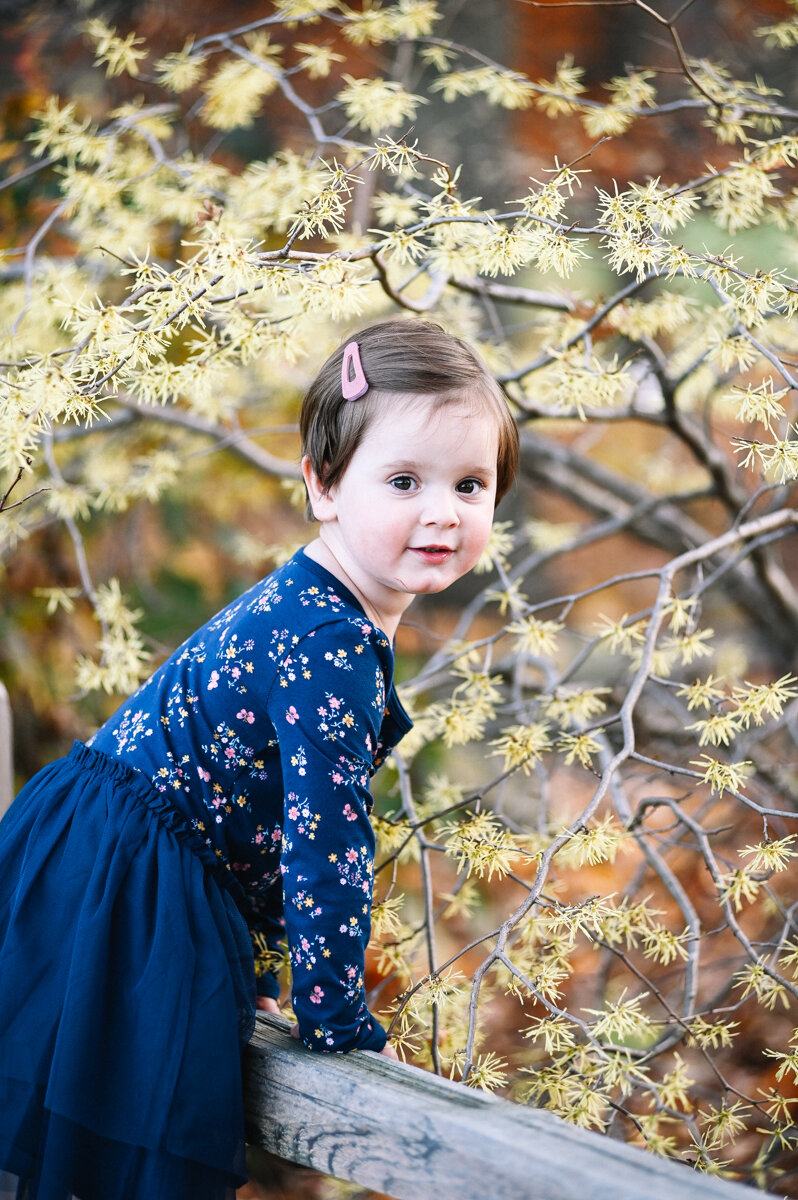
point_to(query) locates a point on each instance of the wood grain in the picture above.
(404, 1131)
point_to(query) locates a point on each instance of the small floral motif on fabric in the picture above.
(131, 727)
(354, 867)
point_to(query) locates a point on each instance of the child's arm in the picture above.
(327, 708)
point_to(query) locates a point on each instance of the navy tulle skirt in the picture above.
(127, 993)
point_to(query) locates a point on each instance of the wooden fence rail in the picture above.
(403, 1131)
(6, 752)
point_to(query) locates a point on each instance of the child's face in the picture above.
(413, 511)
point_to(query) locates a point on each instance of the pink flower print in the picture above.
(204, 775)
(277, 835)
(236, 672)
(243, 715)
(351, 856)
(350, 816)
(334, 703)
(316, 995)
(214, 681)
(229, 752)
(293, 812)
(291, 716)
(305, 944)
(365, 630)
(337, 777)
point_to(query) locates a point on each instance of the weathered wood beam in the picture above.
(403, 1131)
(6, 753)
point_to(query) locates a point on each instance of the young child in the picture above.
(229, 797)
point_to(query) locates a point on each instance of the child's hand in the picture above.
(267, 1004)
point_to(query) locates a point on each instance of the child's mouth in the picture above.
(433, 554)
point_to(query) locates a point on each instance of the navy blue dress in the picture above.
(223, 807)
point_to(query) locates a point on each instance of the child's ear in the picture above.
(321, 501)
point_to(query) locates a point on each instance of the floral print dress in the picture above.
(262, 731)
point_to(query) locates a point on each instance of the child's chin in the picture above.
(433, 586)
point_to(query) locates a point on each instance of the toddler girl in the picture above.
(227, 803)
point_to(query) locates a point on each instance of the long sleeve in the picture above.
(327, 706)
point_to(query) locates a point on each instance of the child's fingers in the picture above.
(389, 1052)
(267, 1004)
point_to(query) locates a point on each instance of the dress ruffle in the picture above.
(126, 993)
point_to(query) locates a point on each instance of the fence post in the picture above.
(6, 752)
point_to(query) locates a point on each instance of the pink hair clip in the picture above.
(356, 386)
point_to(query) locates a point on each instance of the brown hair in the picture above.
(411, 358)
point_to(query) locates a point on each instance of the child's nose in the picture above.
(440, 509)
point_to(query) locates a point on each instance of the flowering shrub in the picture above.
(590, 903)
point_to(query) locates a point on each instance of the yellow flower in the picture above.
(376, 104)
(119, 54)
(723, 776)
(522, 746)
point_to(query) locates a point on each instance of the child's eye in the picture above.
(470, 487)
(403, 483)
